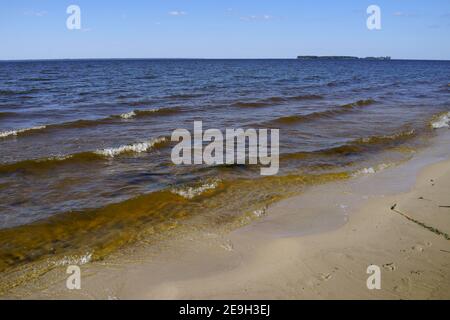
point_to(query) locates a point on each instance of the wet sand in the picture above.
(317, 245)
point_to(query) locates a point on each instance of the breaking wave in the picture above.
(192, 192)
(441, 121)
(143, 113)
(88, 156)
(132, 148)
(90, 123)
(20, 131)
(73, 260)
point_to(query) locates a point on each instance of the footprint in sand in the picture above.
(389, 266)
(326, 277)
(228, 246)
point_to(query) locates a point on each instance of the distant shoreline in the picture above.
(341, 58)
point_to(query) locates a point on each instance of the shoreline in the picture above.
(305, 247)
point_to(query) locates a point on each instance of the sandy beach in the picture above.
(317, 245)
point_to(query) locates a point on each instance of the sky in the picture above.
(410, 29)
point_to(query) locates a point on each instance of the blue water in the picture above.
(317, 105)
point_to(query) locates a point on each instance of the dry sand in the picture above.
(314, 246)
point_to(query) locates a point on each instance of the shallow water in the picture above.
(84, 165)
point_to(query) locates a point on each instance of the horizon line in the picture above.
(294, 58)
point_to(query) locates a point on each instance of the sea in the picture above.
(85, 145)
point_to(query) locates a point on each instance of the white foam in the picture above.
(442, 122)
(134, 113)
(16, 132)
(367, 171)
(128, 115)
(371, 170)
(192, 192)
(57, 158)
(136, 148)
(259, 213)
(74, 260)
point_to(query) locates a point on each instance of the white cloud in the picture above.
(256, 17)
(177, 13)
(36, 13)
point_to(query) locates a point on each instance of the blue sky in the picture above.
(36, 29)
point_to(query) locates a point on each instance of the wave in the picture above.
(143, 113)
(386, 138)
(48, 163)
(322, 114)
(73, 260)
(370, 143)
(356, 146)
(128, 115)
(5, 134)
(192, 192)
(88, 156)
(90, 123)
(132, 148)
(441, 121)
(275, 100)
